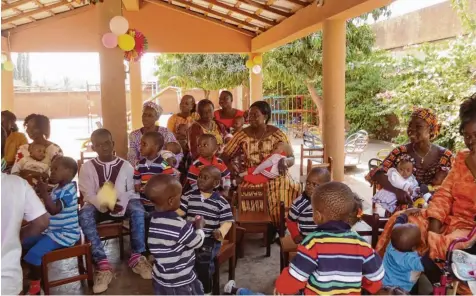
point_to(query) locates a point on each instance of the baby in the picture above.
(268, 169)
(33, 163)
(237, 125)
(401, 178)
(182, 137)
(170, 152)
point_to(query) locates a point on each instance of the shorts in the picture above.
(37, 247)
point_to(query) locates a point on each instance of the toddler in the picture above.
(172, 240)
(33, 163)
(268, 169)
(299, 221)
(216, 212)
(400, 177)
(62, 205)
(402, 263)
(237, 125)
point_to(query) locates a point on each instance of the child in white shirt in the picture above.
(33, 162)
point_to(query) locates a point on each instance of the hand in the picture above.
(217, 235)
(45, 177)
(298, 239)
(172, 161)
(413, 212)
(41, 186)
(282, 166)
(199, 222)
(117, 208)
(403, 197)
(435, 226)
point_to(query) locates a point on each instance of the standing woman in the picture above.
(14, 139)
(150, 115)
(255, 143)
(205, 125)
(187, 114)
(227, 113)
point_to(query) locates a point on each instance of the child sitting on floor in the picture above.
(62, 205)
(207, 202)
(299, 221)
(172, 240)
(33, 163)
(268, 169)
(207, 148)
(402, 263)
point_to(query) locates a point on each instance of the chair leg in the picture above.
(89, 266)
(231, 268)
(216, 279)
(268, 241)
(281, 259)
(81, 265)
(45, 279)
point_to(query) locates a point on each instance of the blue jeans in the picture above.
(37, 247)
(89, 217)
(204, 262)
(194, 288)
(244, 291)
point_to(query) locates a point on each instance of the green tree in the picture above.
(22, 71)
(208, 72)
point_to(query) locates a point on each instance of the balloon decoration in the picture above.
(4, 58)
(131, 41)
(254, 63)
(6, 64)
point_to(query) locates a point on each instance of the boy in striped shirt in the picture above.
(333, 259)
(62, 205)
(300, 222)
(172, 240)
(205, 201)
(207, 148)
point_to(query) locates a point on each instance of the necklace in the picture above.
(262, 135)
(422, 157)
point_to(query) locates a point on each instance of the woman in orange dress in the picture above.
(452, 210)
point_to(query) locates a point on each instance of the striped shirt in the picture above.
(215, 209)
(333, 260)
(201, 162)
(172, 241)
(64, 226)
(300, 219)
(146, 169)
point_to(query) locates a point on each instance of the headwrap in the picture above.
(154, 106)
(430, 118)
(404, 157)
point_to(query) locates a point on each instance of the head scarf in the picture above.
(430, 118)
(154, 106)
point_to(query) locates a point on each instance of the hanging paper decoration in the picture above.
(256, 69)
(119, 25)
(141, 46)
(109, 40)
(126, 42)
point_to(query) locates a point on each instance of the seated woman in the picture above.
(187, 114)
(14, 138)
(450, 214)
(431, 161)
(227, 113)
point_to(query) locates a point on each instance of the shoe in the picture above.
(229, 287)
(464, 265)
(143, 268)
(102, 278)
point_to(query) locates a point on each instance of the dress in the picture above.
(52, 151)
(227, 122)
(133, 156)
(175, 120)
(454, 204)
(283, 188)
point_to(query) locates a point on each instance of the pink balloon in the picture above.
(109, 40)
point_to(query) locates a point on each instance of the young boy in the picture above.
(334, 259)
(299, 221)
(107, 167)
(34, 163)
(215, 210)
(172, 240)
(207, 148)
(62, 205)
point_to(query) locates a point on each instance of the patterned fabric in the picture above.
(194, 288)
(333, 260)
(283, 188)
(133, 156)
(424, 175)
(154, 106)
(146, 169)
(201, 162)
(52, 151)
(430, 118)
(300, 221)
(172, 241)
(64, 226)
(30, 164)
(176, 120)
(454, 204)
(12, 144)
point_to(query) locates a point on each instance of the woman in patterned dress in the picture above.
(14, 139)
(452, 210)
(257, 142)
(186, 116)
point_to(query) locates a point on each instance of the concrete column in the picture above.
(135, 80)
(8, 93)
(113, 89)
(256, 87)
(334, 93)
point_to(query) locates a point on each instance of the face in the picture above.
(103, 145)
(206, 112)
(148, 147)
(238, 123)
(225, 101)
(6, 123)
(206, 181)
(59, 172)
(418, 130)
(206, 147)
(255, 117)
(405, 169)
(186, 104)
(149, 117)
(37, 152)
(33, 131)
(182, 130)
(313, 181)
(469, 135)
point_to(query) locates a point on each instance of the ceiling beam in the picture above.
(131, 5)
(33, 12)
(298, 2)
(14, 4)
(267, 8)
(242, 12)
(201, 16)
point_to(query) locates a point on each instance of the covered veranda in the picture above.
(181, 26)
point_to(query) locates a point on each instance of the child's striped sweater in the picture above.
(332, 260)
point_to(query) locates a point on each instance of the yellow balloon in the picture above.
(8, 66)
(257, 60)
(249, 64)
(126, 42)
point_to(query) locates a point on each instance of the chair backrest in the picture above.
(357, 142)
(327, 165)
(316, 154)
(282, 219)
(311, 140)
(255, 198)
(231, 235)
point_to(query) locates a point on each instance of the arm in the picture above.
(191, 238)
(53, 207)
(372, 272)
(397, 180)
(226, 219)
(35, 213)
(17, 167)
(137, 179)
(171, 123)
(232, 148)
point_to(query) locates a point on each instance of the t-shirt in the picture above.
(20, 202)
(402, 269)
(301, 214)
(201, 162)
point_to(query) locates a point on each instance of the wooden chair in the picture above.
(315, 154)
(310, 165)
(256, 220)
(286, 243)
(227, 253)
